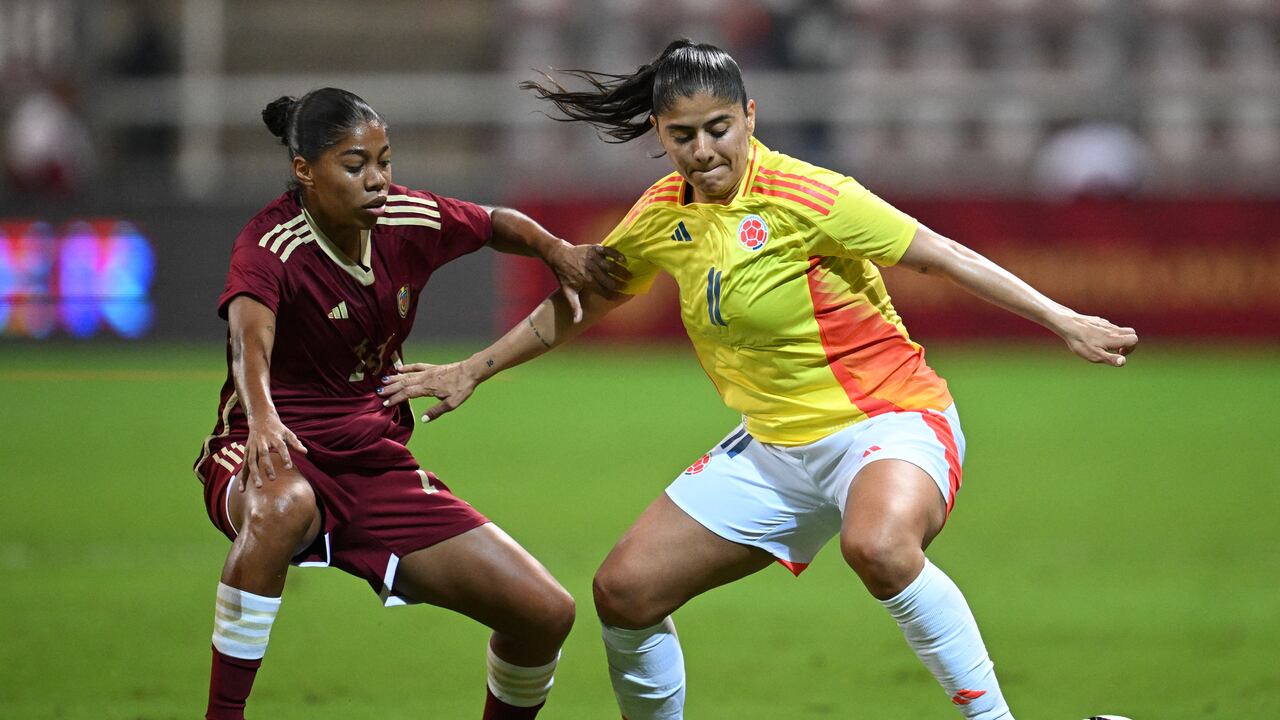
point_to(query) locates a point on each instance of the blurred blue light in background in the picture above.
(89, 274)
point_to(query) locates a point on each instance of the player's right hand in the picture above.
(1098, 340)
(451, 383)
(266, 436)
(588, 268)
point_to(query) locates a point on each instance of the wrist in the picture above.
(479, 367)
(261, 416)
(552, 249)
(1058, 319)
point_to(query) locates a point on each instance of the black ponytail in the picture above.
(276, 115)
(316, 121)
(620, 105)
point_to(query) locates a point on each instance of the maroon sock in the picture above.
(495, 709)
(230, 681)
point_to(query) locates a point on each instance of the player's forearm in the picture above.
(517, 233)
(251, 371)
(998, 286)
(548, 326)
(976, 274)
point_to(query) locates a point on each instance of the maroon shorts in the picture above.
(371, 518)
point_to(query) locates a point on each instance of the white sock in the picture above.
(520, 686)
(242, 622)
(938, 625)
(646, 668)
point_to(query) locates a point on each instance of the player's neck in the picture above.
(346, 239)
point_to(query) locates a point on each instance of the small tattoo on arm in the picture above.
(535, 332)
(489, 362)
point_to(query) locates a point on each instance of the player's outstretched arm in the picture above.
(1092, 338)
(550, 324)
(579, 268)
(253, 334)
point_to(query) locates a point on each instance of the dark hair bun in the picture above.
(276, 116)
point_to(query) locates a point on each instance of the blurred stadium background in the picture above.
(1115, 535)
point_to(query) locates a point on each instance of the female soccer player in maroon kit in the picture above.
(307, 463)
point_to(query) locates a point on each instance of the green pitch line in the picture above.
(1115, 537)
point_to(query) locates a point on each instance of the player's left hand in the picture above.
(593, 268)
(451, 383)
(1098, 340)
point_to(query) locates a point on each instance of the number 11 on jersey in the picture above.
(713, 297)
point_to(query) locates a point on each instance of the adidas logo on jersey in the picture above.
(681, 234)
(339, 312)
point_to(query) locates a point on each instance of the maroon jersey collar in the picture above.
(356, 270)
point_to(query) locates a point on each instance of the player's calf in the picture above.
(274, 522)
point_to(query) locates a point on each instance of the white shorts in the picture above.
(789, 499)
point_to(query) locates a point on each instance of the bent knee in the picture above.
(624, 602)
(288, 506)
(556, 612)
(880, 556)
(544, 616)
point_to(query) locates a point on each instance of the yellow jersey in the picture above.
(781, 296)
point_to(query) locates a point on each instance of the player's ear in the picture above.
(751, 117)
(653, 120)
(302, 171)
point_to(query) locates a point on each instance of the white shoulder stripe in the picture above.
(412, 199)
(409, 221)
(290, 225)
(280, 240)
(412, 209)
(302, 239)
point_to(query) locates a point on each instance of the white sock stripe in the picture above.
(242, 622)
(234, 611)
(535, 691)
(518, 699)
(517, 685)
(521, 675)
(248, 600)
(243, 651)
(513, 684)
(495, 661)
(235, 635)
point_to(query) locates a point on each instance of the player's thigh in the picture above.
(665, 559)
(892, 503)
(486, 575)
(287, 503)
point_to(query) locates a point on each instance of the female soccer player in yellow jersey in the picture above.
(846, 431)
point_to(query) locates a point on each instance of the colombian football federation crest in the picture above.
(402, 301)
(697, 467)
(753, 233)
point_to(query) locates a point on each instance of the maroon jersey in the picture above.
(340, 324)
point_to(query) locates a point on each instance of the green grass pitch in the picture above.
(1116, 538)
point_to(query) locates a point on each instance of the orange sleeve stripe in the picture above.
(828, 201)
(752, 167)
(673, 185)
(646, 202)
(820, 186)
(779, 193)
